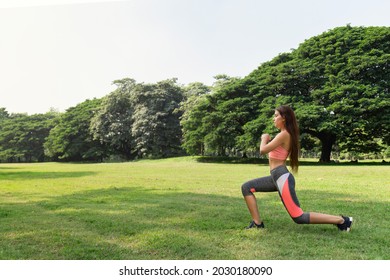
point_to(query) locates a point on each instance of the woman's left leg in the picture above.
(319, 218)
(285, 183)
(286, 186)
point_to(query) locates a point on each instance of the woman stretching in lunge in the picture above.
(281, 180)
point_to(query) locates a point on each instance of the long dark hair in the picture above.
(292, 128)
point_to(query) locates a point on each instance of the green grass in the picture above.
(185, 209)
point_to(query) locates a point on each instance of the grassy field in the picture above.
(185, 209)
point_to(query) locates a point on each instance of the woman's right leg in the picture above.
(251, 203)
(264, 184)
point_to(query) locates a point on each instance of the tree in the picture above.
(349, 92)
(112, 124)
(140, 120)
(70, 139)
(156, 127)
(191, 110)
(215, 122)
(337, 82)
(3, 114)
(22, 137)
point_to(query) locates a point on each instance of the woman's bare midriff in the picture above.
(273, 163)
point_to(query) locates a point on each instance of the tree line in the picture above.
(337, 83)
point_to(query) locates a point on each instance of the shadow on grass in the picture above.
(139, 223)
(28, 175)
(237, 160)
(7, 167)
(115, 223)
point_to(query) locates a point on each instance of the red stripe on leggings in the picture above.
(293, 209)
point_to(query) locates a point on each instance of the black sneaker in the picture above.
(346, 226)
(254, 225)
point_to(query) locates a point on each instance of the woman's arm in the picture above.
(267, 145)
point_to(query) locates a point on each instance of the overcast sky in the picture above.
(58, 53)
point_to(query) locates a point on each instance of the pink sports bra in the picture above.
(279, 153)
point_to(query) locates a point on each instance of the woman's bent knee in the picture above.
(303, 219)
(246, 189)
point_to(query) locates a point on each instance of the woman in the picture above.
(281, 180)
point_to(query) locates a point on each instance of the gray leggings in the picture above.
(282, 181)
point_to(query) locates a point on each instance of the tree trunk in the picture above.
(327, 141)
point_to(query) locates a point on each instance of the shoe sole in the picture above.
(349, 228)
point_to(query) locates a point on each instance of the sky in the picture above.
(55, 54)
